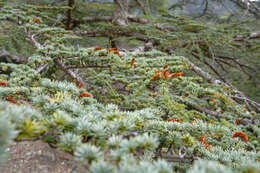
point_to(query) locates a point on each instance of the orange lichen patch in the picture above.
(177, 74)
(165, 66)
(10, 99)
(97, 48)
(155, 77)
(213, 100)
(166, 75)
(132, 62)
(174, 120)
(243, 109)
(241, 135)
(236, 121)
(222, 111)
(84, 94)
(80, 85)
(163, 72)
(36, 20)
(206, 145)
(3, 83)
(74, 81)
(202, 139)
(192, 122)
(152, 94)
(217, 135)
(110, 50)
(116, 52)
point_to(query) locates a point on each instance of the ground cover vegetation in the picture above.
(155, 100)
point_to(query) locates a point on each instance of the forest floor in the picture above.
(39, 157)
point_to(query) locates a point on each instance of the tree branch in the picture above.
(85, 66)
(14, 58)
(69, 14)
(30, 37)
(176, 158)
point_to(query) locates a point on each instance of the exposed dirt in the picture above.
(39, 157)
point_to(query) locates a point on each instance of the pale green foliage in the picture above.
(69, 142)
(7, 130)
(98, 131)
(205, 166)
(88, 153)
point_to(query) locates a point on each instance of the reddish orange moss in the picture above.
(165, 66)
(217, 135)
(116, 53)
(10, 99)
(241, 135)
(74, 81)
(132, 62)
(154, 94)
(174, 120)
(222, 111)
(206, 145)
(243, 109)
(177, 74)
(110, 50)
(36, 20)
(3, 83)
(236, 121)
(80, 85)
(155, 77)
(97, 48)
(166, 75)
(213, 100)
(84, 94)
(202, 139)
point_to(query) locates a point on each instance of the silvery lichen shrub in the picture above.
(137, 115)
(7, 129)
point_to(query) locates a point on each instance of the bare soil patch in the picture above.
(39, 157)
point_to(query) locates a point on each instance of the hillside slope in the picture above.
(131, 112)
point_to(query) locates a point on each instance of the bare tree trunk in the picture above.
(120, 13)
(69, 14)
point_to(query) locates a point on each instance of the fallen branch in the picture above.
(246, 121)
(239, 95)
(159, 26)
(30, 38)
(14, 58)
(85, 66)
(70, 73)
(210, 66)
(176, 158)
